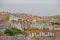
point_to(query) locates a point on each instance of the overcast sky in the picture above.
(35, 7)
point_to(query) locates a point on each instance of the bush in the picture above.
(53, 23)
(1, 20)
(18, 32)
(7, 18)
(0, 39)
(9, 32)
(13, 31)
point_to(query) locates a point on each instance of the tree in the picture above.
(9, 32)
(1, 20)
(17, 31)
(13, 31)
(53, 23)
(7, 18)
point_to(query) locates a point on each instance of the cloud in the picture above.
(27, 1)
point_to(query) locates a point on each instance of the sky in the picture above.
(34, 7)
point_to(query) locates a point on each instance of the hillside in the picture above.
(56, 16)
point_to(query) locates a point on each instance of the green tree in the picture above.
(17, 31)
(1, 20)
(9, 32)
(53, 23)
(7, 18)
(13, 31)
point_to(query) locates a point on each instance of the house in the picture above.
(2, 27)
(56, 27)
(48, 26)
(39, 33)
(57, 33)
(12, 17)
(56, 20)
(35, 24)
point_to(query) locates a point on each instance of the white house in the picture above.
(39, 33)
(2, 27)
(12, 17)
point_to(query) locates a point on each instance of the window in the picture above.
(46, 33)
(37, 33)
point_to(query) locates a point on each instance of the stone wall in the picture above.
(27, 38)
(12, 38)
